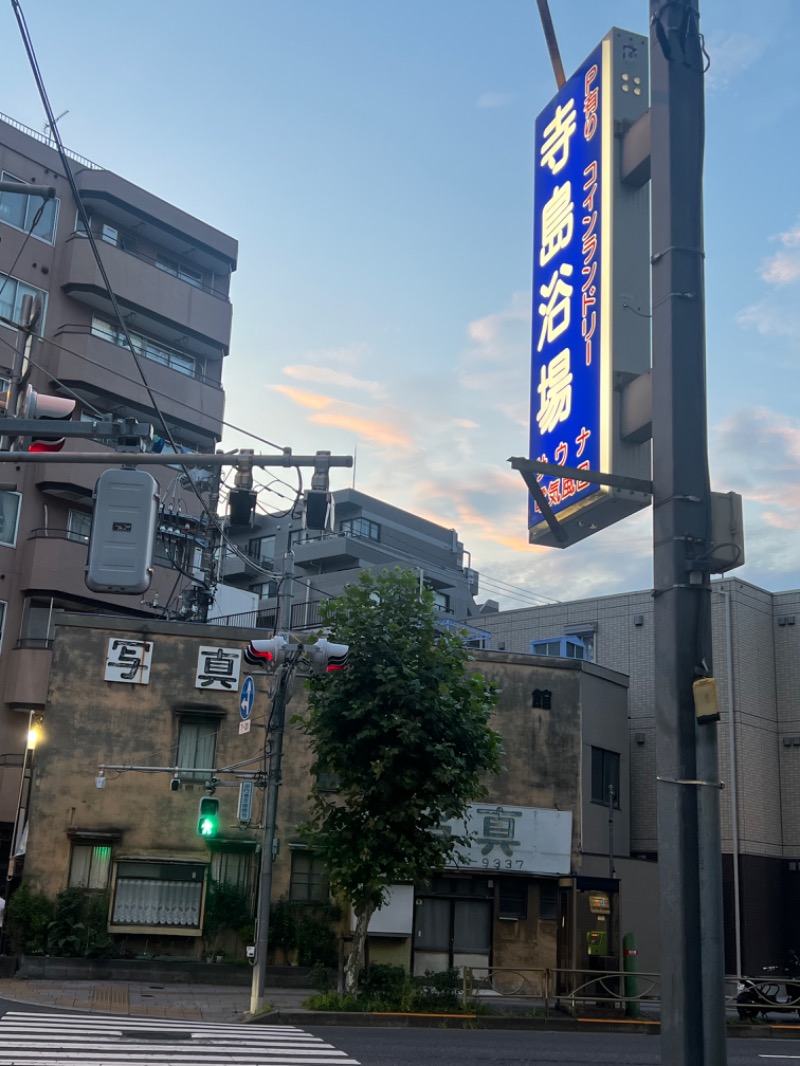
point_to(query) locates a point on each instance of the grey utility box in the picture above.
(123, 532)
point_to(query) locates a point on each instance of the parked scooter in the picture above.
(765, 995)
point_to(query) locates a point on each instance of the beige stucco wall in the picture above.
(90, 721)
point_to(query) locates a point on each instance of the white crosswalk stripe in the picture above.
(117, 1040)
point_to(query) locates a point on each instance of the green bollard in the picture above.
(630, 967)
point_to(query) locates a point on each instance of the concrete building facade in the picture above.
(171, 276)
(362, 532)
(169, 705)
(756, 657)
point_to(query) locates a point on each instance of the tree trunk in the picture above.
(353, 964)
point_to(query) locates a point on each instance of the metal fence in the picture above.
(633, 995)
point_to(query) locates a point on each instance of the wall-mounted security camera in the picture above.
(175, 784)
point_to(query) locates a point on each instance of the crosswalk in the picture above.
(115, 1040)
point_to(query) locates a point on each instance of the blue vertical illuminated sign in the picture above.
(568, 400)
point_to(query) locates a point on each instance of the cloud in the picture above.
(326, 375)
(492, 100)
(784, 267)
(770, 320)
(380, 433)
(730, 55)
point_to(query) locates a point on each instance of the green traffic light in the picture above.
(208, 817)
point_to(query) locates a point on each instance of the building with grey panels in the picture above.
(362, 532)
(756, 661)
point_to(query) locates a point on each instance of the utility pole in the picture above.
(689, 857)
(273, 733)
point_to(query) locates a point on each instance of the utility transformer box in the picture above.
(123, 532)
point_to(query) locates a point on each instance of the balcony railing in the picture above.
(129, 249)
(49, 142)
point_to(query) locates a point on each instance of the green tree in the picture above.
(406, 729)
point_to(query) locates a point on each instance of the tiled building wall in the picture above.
(765, 693)
(786, 629)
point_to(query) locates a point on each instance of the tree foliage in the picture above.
(405, 728)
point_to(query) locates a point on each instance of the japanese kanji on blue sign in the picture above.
(566, 368)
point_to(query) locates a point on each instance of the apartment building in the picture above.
(756, 661)
(171, 276)
(362, 532)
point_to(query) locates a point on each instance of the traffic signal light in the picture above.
(268, 653)
(325, 656)
(32, 404)
(208, 817)
(35, 405)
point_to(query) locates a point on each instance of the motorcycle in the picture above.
(765, 995)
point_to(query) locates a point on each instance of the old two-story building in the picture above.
(141, 715)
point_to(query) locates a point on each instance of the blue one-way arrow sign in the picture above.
(246, 697)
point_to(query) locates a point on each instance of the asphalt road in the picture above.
(474, 1047)
(459, 1047)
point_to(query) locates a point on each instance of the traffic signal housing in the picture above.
(325, 657)
(267, 653)
(123, 532)
(208, 817)
(32, 404)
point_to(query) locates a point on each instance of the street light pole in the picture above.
(274, 733)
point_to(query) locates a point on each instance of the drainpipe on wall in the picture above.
(733, 786)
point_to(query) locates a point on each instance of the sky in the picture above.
(374, 160)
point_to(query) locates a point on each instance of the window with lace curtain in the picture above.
(158, 895)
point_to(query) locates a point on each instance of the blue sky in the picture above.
(374, 160)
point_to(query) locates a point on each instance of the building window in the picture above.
(197, 746)
(265, 589)
(180, 270)
(262, 549)
(9, 517)
(548, 901)
(79, 523)
(309, 883)
(89, 866)
(146, 347)
(11, 294)
(560, 647)
(19, 210)
(513, 897)
(233, 868)
(158, 894)
(361, 527)
(605, 775)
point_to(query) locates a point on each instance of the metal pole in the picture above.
(693, 1014)
(610, 832)
(274, 731)
(733, 783)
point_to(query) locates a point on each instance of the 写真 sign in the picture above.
(591, 290)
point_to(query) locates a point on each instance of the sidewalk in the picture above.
(204, 1003)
